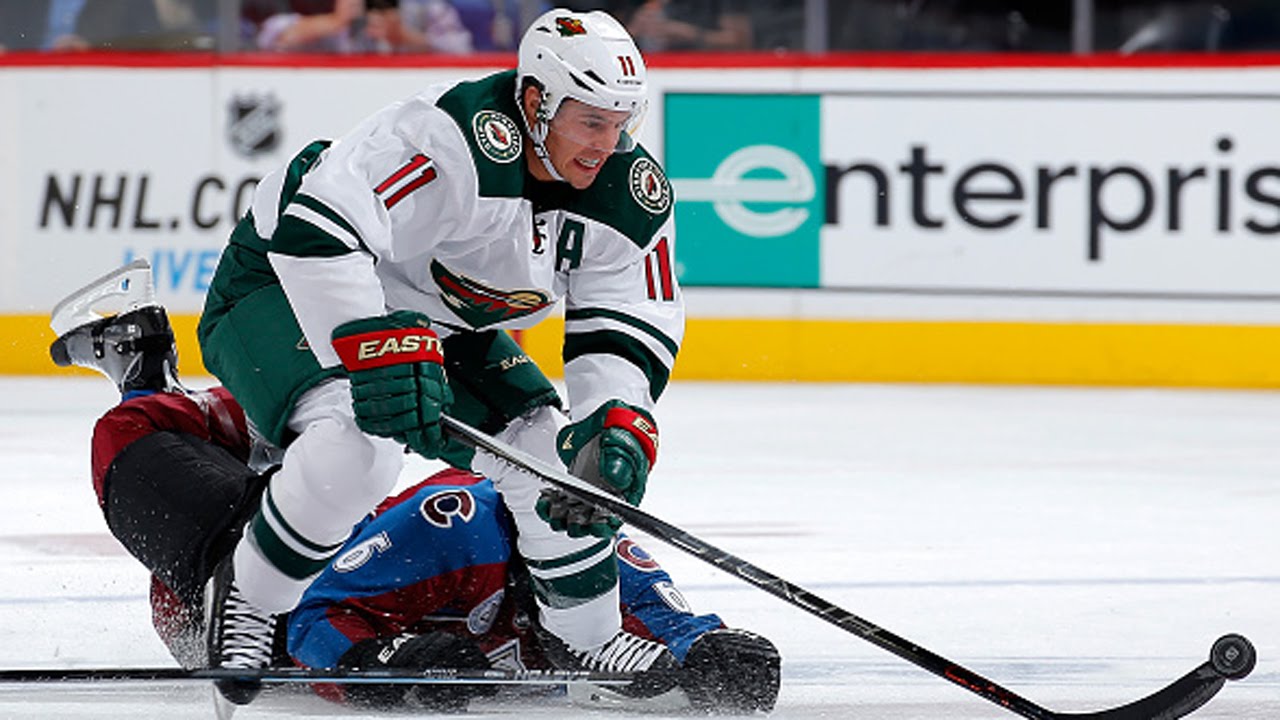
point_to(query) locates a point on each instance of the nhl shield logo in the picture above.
(253, 124)
(497, 136)
(649, 186)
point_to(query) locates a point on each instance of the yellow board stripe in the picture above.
(27, 340)
(1228, 356)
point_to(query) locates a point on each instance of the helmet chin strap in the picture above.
(538, 131)
(540, 149)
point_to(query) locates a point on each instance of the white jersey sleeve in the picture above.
(393, 189)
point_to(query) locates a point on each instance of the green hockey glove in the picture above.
(398, 385)
(612, 448)
(575, 517)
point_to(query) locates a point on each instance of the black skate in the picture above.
(115, 326)
(134, 350)
(650, 662)
(240, 635)
(733, 672)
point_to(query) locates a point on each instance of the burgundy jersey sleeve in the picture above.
(211, 415)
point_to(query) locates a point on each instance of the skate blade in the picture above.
(596, 696)
(122, 290)
(223, 708)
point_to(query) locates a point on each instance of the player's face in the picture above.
(581, 138)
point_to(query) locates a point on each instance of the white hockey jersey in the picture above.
(428, 205)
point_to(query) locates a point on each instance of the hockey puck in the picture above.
(1233, 656)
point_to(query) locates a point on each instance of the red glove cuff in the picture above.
(639, 425)
(393, 346)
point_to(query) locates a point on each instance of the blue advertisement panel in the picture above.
(749, 188)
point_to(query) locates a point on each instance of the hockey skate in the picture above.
(239, 635)
(653, 667)
(114, 325)
(732, 671)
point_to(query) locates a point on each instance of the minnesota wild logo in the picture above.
(480, 305)
(570, 26)
(497, 136)
(649, 186)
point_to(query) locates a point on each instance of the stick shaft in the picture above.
(386, 676)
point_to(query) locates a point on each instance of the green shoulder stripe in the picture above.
(299, 238)
(298, 167)
(485, 111)
(612, 342)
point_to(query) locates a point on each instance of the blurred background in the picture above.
(808, 26)
(1081, 192)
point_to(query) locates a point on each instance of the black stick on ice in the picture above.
(383, 676)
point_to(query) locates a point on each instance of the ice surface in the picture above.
(1081, 547)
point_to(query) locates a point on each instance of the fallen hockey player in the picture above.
(429, 579)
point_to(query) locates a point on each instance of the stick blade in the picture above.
(1232, 658)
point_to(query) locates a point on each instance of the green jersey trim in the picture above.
(300, 237)
(299, 167)
(612, 342)
(635, 322)
(485, 112)
(630, 195)
(328, 212)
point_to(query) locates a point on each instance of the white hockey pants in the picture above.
(575, 580)
(331, 476)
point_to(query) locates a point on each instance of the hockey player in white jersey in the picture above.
(367, 290)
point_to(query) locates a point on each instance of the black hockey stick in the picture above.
(386, 676)
(1231, 658)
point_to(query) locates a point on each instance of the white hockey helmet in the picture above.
(589, 57)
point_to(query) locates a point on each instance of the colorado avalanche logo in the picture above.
(649, 186)
(480, 305)
(441, 508)
(568, 27)
(497, 136)
(635, 556)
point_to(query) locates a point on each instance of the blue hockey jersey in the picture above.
(436, 557)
